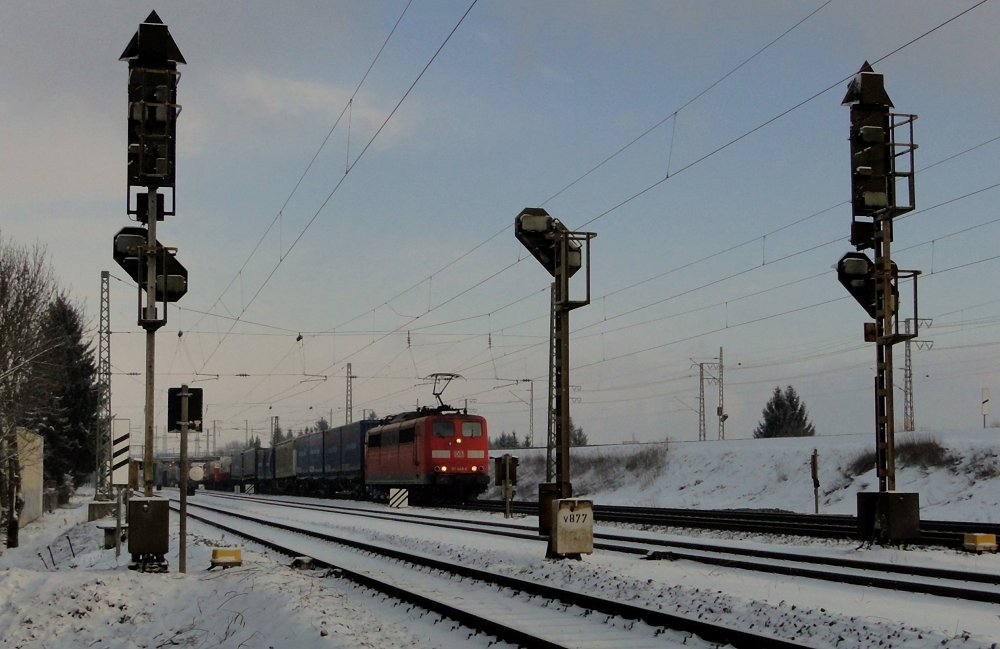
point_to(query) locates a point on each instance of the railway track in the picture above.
(830, 526)
(965, 585)
(514, 610)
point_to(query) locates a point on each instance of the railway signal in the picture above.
(871, 190)
(129, 245)
(561, 252)
(129, 252)
(172, 280)
(882, 187)
(542, 235)
(151, 120)
(195, 401)
(152, 104)
(856, 272)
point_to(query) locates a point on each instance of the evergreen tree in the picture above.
(505, 440)
(784, 416)
(66, 408)
(576, 435)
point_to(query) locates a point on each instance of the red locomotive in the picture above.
(435, 453)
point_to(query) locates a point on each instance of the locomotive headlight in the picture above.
(458, 440)
(444, 469)
(474, 468)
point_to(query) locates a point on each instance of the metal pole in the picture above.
(531, 414)
(884, 412)
(552, 438)
(182, 559)
(103, 447)
(561, 312)
(722, 407)
(908, 423)
(118, 523)
(150, 317)
(702, 433)
(349, 397)
(507, 496)
(815, 477)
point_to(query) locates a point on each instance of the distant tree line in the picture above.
(509, 440)
(278, 436)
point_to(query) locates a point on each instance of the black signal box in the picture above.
(195, 408)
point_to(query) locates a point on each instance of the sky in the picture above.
(348, 174)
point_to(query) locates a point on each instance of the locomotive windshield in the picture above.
(472, 429)
(444, 429)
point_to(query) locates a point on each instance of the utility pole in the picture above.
(909, 420)
(531, 413)
(102, 446)
(704, 375)
(350, 396)
(721, 410)
(701, 402)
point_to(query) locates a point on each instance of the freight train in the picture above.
(438, 454)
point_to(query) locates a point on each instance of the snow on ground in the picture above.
(775, 474)
(93, 600)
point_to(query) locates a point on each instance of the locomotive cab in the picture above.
(436, 454)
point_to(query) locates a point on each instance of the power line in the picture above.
(309, 166)
(609, 158)
(346, 174)
(750, 132)
(673, 115)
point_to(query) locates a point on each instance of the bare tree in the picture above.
(26, 288)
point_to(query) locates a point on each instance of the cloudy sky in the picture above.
(343, 202)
